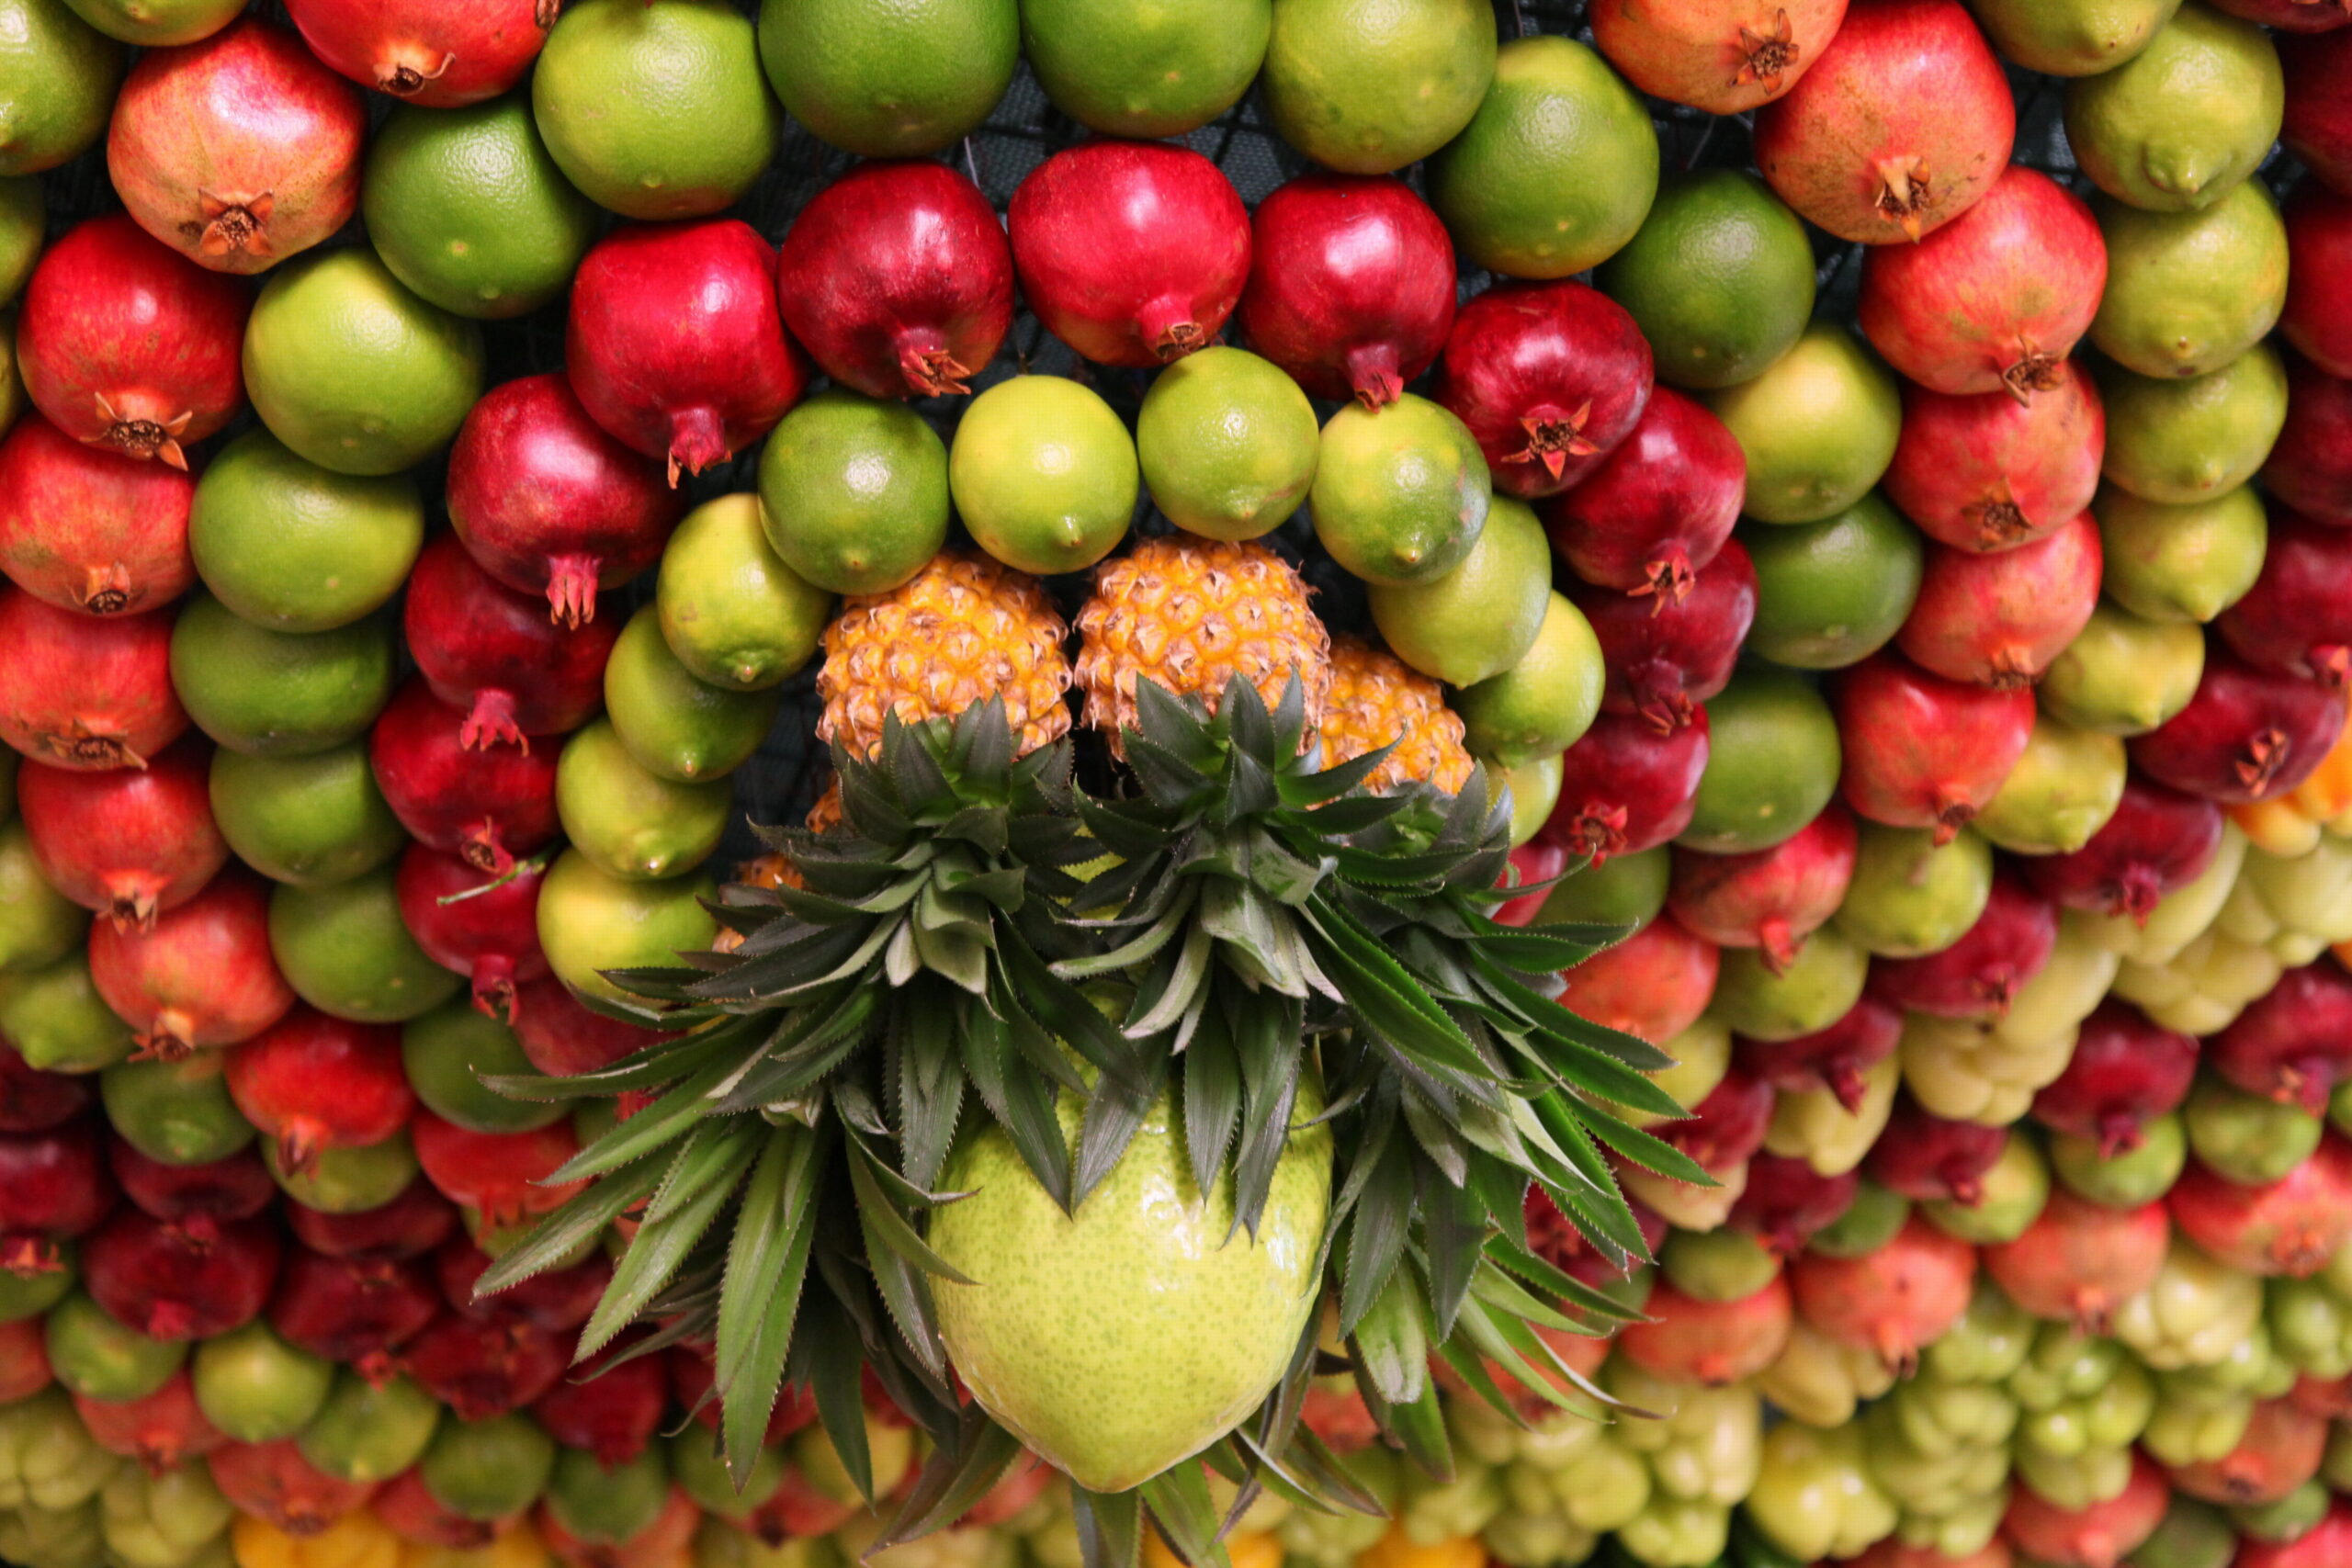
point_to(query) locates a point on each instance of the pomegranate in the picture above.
(2328, 1398)
(1551, 377)
(1999, 620)
(502, 1174)
(24, 1359)
(2319, 243)
(357, 1310)
(1624, 787)
(484, 806)
(2294, 1043)
(427, 52)
(1786, 1200)
(417, 1222)
(1979, 975)
(202, 975)
(897, 279)
(1894, 1300)
(493, 651)
(2124, 1072)
(1771, 899)
(564, 1039)
(1717, 55)
(2158, 839)
(1986, 472)
(1666, 653)
(484, 1368)
(32, 1101)
(2297, 619)
(2247, 735)
(129, 843)
(2100, 1536)
(556, 1300)
(83, 530)
(1654, 984)
(1352, 285)
(159, 1431)
(1653, 513)
(235, 1187)
(1923, 751)
(239, 150)
(276, 1484)
(78, 692)
(1837, 1058)
(54, 1186)
(2319, 105)
(486, 931)
(1133, 252)
(178, 1284)
(2327, 1543)
(610, 1407)
(2311, 465)
(1926, 1157)
(2292, 15)
(1726, 1127)
(675, 344)
(666, 1541)
(1712, 1343)
(407, 1508)
(2292, 1226)
(2080, 1259)
(1536, 864)
(314, 1082)
(2281, 1451)
(549, 503)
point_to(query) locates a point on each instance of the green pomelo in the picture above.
(346, 952)
(295, 548)
(1535, 788)
(893, 81)
(1124, 1339)
(1831, 593)
(2183, 440)
(673, 725)
(2014, 1191)
(313, 820)
(1543, 704)
(100, 1358)
(2187, 119)
(853, 491)
(448, 1052)
(2243, 1137)
(57, 76)
(2062, 790)
(1910, 896)
(1144, 68)
(1772, 763)
(2123, 675)
(58, 1023)
(26, 1296)
(734, 614)
(2180, 563)
(256, 1387)
(347, 1180)
(1228, 443)
(1817, 988)
(1401, 493)
(368, 1431)
(151, 23)
(632, 822)
(176, 1113)
(489, 1470)
(1555, 171)
(2071, 37)
(608, 1506)
(272, 694)
(1367, 86)
(1720, 278)
(1043, 474)
(39, 925)
(591, 922)
(24, 221)
(1818, 428)
(2187, 292)
(701, 1472)
(1623, 890)
(1480, 618)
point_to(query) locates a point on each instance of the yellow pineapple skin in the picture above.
(1375, 698)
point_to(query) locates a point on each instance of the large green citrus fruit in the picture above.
(1227, 442)
(1043, 474)
(2180, 563)
(591, 922)
(1819, 427)
(2177, 440)
(23, 223)
(312, 821)
(2186, 120)
(853, 491)
(1544, 703)
(1144, 68)
(2071, 37)
(1772, 763)
(272, 694)
(1401, 491)
(153, 23)
(632, 822)
(1832, 593)
(734, 614)
(346, 951)
(297, 547)
(892, 78)
(1367, 86)
(2187, 292)
(675, 725)
(57, 76)
(1480, 618)
(1720, 278)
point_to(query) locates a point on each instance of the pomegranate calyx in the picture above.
(491, 722)
(2265, 753)
(545, 13)
(2035, 369)
(1597, 832)
(1554, 438)
(26, 1256)
(572, 584)
(234, 222)
(1769, 57)
(109, 589)
(1906, 191)
(697, 440)
(932, 372)
(83, 747)
(403, 78)
(1666, 580)
(1372, 372)
(135, 436)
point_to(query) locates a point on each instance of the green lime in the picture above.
(352, 370)
(23, 225)
(2180, 563)
(1043, 474)
(2062, 791)
(1544, 703)
(100, 1359)
(496, 1468)
(296, 548)
(39, 925)
(1227, 442)
(26, 1297)
(605, 1502)
(347, 1180)
(2071, 37)
(895, 80)
(1720, 278)
(701, 1472)
(1819, 427)
(634, 823)
(734, 613)
(1623, 890)
(1556, 170)
(1480, 618)
(1144, 68)
(1909, 895)
(57, 76)
(272, 694)
(2186, 120)
(468, 207)
(591, 922)
(655, 108)
(2187, 292)
(1401, 491)
(312, 821)
(1832, 593)
(176, 1113)
(256, 1388)
(675, 725)
(1535, 788)
(58, 1023)
(853, 491)
(2177, 441)
(1367, 86)
(369, 1431)
(152, 22)
(2122, 675)
(446, 1054)
(1813, 990)
(346, 952)
(1772, 763)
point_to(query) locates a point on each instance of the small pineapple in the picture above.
(1376, 698)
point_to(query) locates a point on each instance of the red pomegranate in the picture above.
(1986, 472)
(236, 1188)
(2079, 1261)
(493, 651)
(2292, 15)
(2318, 105)
(1925, 1157)
(415, 1222)
(1979, 975)
(464, 921)
(1723, 56)
(406, 1507)
(1536, 864)
(669, 1539)
(1771, 899)
(24, 1359)
(275, 1482)
(1837, 1058)
(159, 1431)
(610, 1407)
(1654, 984)
(54, 1185)
(1894, 1300)
(2296, 619)
(315, 1082)
(32, 1101)
(85, 530)
(484, 1368)
(2157, 840)
(502, 1174)
(2000, 620)
(1653, 513)
(428, 52)
(485, 806)
(2125, 1071)
(2281, 1451)
(2292, 1226)
(1786, 1202)
(1133, 252)
(2247, 735)
(176, 1284)
(2326, 1544)
(357, 1310)
(549, 503)
(1715, 1344)
(1352, 285)
(674, 344)
(1726, 1127)
(898, 280)
(2098, 1536)
(1624, 787)
(564, 1039)
(556, 1300)
(2319, 246)
(2310, 466)
(1550, 378)
(237, 151)
(1923, 751)
(2294, 1044)
(202, 975)
(131, 842)
(1666, 653)
(83, 692)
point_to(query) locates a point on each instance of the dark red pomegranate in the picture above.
(315, 1082)
(1712, 1343)
(351, 1309)
(1133, 252)
(1923, 751)
(490, 934)
(2157, 840)
(1786, 1200)
(2319, 105)
(85, 530)
(2125, 1070)
(415, 1222)
(898, 280)
(32, 1101)
(173, 1283)
(85, 692)
(1924, 1156)
(2319, 246)
(129, 843)
(1979, 975)
(610, 1407)
(2292, 1226)
(1550, 378)
(428, 52)
(237, 151)
(1666, 653)
(2292, 15)
(1771, 899)
(2247, 735)
(1625, 788)
(2079, 1261)
(236, 1188)
(275, 1482)
(1653, 513)
(491, 650)
(1837, 1058)
(202, 975)
(1726, 1127)
(2310, 466)
(484, 1368)
(1352, 285)
(486, 807)
(556, 1300)
(2001, 619)
(2294, 1044)
(674, 343)
(564, 1039)
(2296, 619)
(1654, 984)
(159, 1431)
(54, 1185)
(1988, 472)
(502, 1174)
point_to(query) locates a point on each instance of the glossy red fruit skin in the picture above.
(1726, 1127)
(2292, 16)
(1656, 511)
(2297, 619)
(1979, 975)
(898, 280)
(413, 1224)
(2124, 1071)
(493, 938)
(54, 1185)
(2324, 1545)
(1712, 1343)
(502, 1174)
(24, 1361)
(1654, 984)
(1924, 1156)
(2292, 1226)
(1786, 1200)
(556, 1300)
(2079, 1261)
(129, 843)
(491, 650)
(1771, 899)
(85, 692)
(1538, 861)
(357, 1310)
(1624, 787)
(176, 1284)
(2095, 1537)
(1352, 285)
(2246, 735)
(2294, 1044)
(314, 1082)
(486, 807)
(1922, 751)
(406, 1507)
(611, 1410)
(201, 975)
(88, 531)
(237, 151)
(2000, 620)
(236, 1188)
(1551, 377)
(273, 1481)
(1837, 1058)
(1722, 56)
(547, 502)
(484, 1368)
(1986, 472)
(2281, 1451)
(564, 1039)
(32, 1101)
(2158, 839)
(1133, 252)
(2311, 466)
(159, 1431)
(674, 344)
(2319, 248)
(2318, 127)
(1893, 1300)
(428, 52)
(1668, 653)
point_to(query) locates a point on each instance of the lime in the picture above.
(1819, 427)
(2187, 292)
(256, 1388)
(2122, 675)
(58, 1023)
(734, 613)
(1479, 619)
(1544, 703)
(1832, 593)
(296, 548)
(2062, 790)
(675, 725)
(100, 1358)
(176, 1112)
(1623, 890)
(1144, 68)
(1401, 491)
(853, 491)
(346, 952)
(895, 80)
(57, 76)
(1772, 763)
(1228, 443)
(1367, 86)
(591, 922)
(152, 22)
(2185, 121)
(2181, 441)
(447, 1052)
(632, 822)
(469, 209)
(2180, 563)
(346, 1180)
(23, 224)
(1556, 170)
(1813, 990)
(1535, 788)
(2071, 37)
(353, 371)
(39, 925)
(1043, 474)
(1909, 895)
(312, 821)
(655, 108)
(272, 693)
(1720, 278)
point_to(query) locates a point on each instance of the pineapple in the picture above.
(1375, 699)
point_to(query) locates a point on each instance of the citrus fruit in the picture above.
(893, 81)
(1401, 491)
(58, 76)
(1228, 443)
(734, 614)
(1480, 618)
(346, 952)
(255, 1387)
(274, 693)
(1043, 474)
(2190, 291)
(352, 370)
(22, 226)
(2179, 441)
(1720, 278)
(1141, 67)
(1540, 704)
(151, 23)
(12, 387)
(1819, 427)
(2071, 37)
(1832, 593)
(2123, 675)
(312, 821)
(1365, 86)
(2180, 563)
(655, 108)
(1535, 788)
(1772, 763)
(1910, 896)
(2062, 791)
(1623, 890)
(591, 922)
(1555, 171)
(58, 1021)
(296, 548)
(447, 1052)
(854, 492)
(39, 925)
(632, 821)
(675, 725)
(2186, 120)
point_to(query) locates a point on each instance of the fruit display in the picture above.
(1285, 783)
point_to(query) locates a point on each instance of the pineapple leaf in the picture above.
(841, 1401)
(1391, 1342)
(1455, 1228)
(1177, 1498)
(657, 1250)
(1112, 1114)
(1376, 1232)
(1110, 1524)
(887, 1222)
(1212, 1100)
(769, 1252)
(1019, 1099)
(958, 1474)
(559, 1236)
